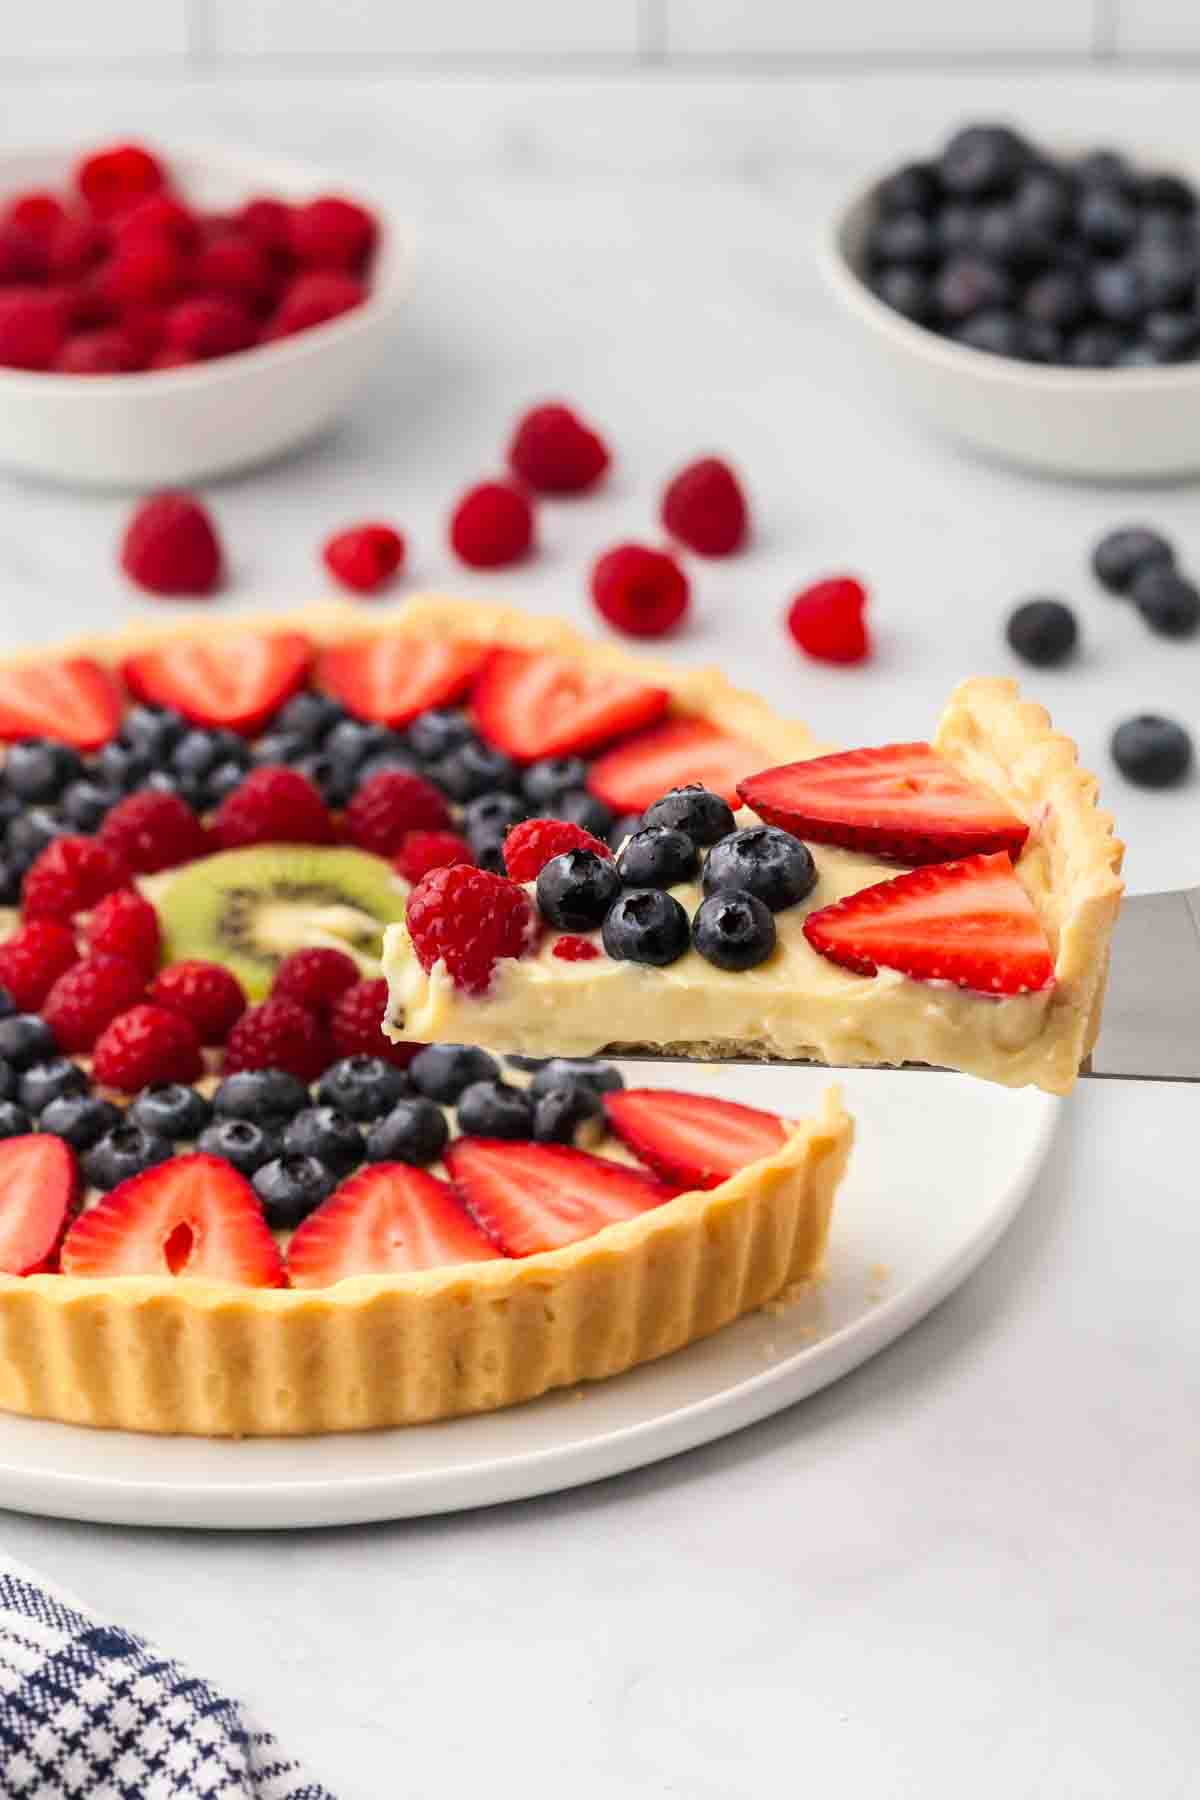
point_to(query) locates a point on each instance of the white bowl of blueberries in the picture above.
(1038, 305)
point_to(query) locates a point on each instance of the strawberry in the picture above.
(38, 1181)
(692, 1139)
(392, 679)
(386, 1220)
(235, 679)
(76, 702)
(969, 922)
(531, 1197)
(193, 1216)
(901, 801)
(534, 704)
(634, 775)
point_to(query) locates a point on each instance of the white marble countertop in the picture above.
(971, 1566)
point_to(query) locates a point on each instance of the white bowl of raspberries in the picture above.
(169, 315)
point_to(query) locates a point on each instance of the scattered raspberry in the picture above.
(277, 1034)
(147, 266)
(332, 233)
(575, 949)
(704, 507)
(210, 325)
(827, 621)
(105, 351)
(390, 805)
(314, 979)
(88, 997)
(269, 223)
(171, 546)
(37, 211)
(365, 556)
(209, 996)
(492, 525)
(554, 452)
(154, 831)
(313, 300)
(148, 1046)
(422, 851)
(114, 178)
(530, 846)
(32, 960)
(125, 924)
(33, 325)
(234, 265)
(70, 876)
(356, 1025)
(273, 806)
(469, 919)
(639, 591)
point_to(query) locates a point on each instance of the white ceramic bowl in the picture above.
(182, 425)
(1102, 423)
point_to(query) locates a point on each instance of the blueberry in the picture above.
(493, 1109)
(8, 1005)
(123, 766)
(906, 291)
(473, 769)
(244, 1145)
(576, 889)
(26, 1039)
(327, 1134)
(1168, 272)
(435, 733)
(1043, 343)
(624, 828)
(913, 188)
(492, 814)
(1169, 193)
(761, 860)
(29, 834)
(1094, 347)
(334, 781)
(124, 1151)
(10, 1081)
(10, 882)
(906, 238)
(1122, 555)
(153, 730)
(560, 1111)
(388, 762)
(646, 925)
(1010, 238)
(1140, 355)
(80, 1120)
(734, 930)
(487, 849)
(544, 781)
(1106, 169)
(351, 741)
(578, 807)
(43, 1082)
(310, 716)
(1152, 752)
(14, 1120)
(1043, 199)
(969, 284)
(37, 770)
(702, 814)
(362, 1087)
(279, 749)
(290, 1187)
(414, 1131)
(442, 1071)
(199, 752)
(1118, 292)
(218, 784)
(981, 160)
(173, 1111)
(1171, 335)
(657, 856)
(166, 781)
(957, 227)
(1169, 604)
(997, 332)
(1057, 298)
(560, 1071)
(86, 804)
(1106, 220)
(267, 1096)
(1042, 632)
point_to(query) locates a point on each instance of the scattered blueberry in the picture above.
(560, 1071)
(362, 1087)
(1169, 604)
(703, 815)
(243, 1144)
(1152, 752)
(124, 1151)
(1042, 632)
(442, 1071)
(734, 930)
(26, 1039)
(761, 860)
(43, 1082)
(493, 1109)
(415, 1131)
(80, 1120)
(559, 1112)
(290, 1187)
(646, 925)
(267, 1096)
(14, 1120)
(576, 889)
(658, 856)
(1121, 556)
(174, 1111)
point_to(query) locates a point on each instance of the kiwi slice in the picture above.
(249, 908)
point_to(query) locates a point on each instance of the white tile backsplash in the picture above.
(880, 27)
(464, 28)
(101, 30)
(1156, 27)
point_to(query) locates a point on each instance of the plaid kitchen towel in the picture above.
(90, 1712)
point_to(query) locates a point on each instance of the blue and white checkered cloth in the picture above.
(90, 1712)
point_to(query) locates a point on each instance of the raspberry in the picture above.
(106, 351)
(24, 256)
(70, 876)
(827, 621)
(530, 845)
(356, 1025)
(75, 245)
(144, 323)
(273, 806)
(269, 223)
(235, 266)
(492, 525)
(32, 960)
(314, 979)
(146, 266)
(575, 949)
(639, 591)
(125, 924)
(154, 830)
(332, 233)
(365, 556)
(171, 546)
(113, 178)
(88, 997)
(554, 452)
(159, 215)
(148, 1046)
(172, 357)
(425, 850)
(469, 919)
(209, 996)
(210, 325)
(313, 300)
(37, 211)
(277, 1034)
(704, 507)
(33, 325)
(390, 805)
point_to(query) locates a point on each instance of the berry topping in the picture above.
(170, 546)
(1169, 604)
(75, 702)
(154, 830)
(25, 1039)
(393, 679)
(562, 1071)
(554, 452)
(70, 876)
(244, 1145)
(362, 1087)
(531, 1197)
(325, 1133)
(146, 1047)
(1149, 751)
(902, 801)
(634, 775)
(125, 1150)
(487, 821)
(493, 1109)
(658, 856)
(764, 861)
(273, 806)
(195, 1216)
(37, 770)
(331, 232)
(32, 960)
(89, 996)
(646, 925)
(266, 1096)
(474, 770)
(315, 978)
(236, 679)
(415, 1131)
(545, 783)
(576, 889)
(693, 1140)
(173, 1111)
(1121, 556)
(45, 1082)
(530, 845)
(1042, 632)
(535, 705)
(113, 179)
(125, 924)
(14, 1120)
(469, 919)
(39, 1181)
(386, 1220)
(390, 805)
(694, 810)
(575, 949)
(734, 930)
(422, 851)
(704, 507)
(444, 1071)
(208, 995)
(356, 1025)
(80, 1120)
(560, 1112)
(492, 526)
(364, 557)
(277, 1034)
(640, 591)
(289, 1187)
(827, 621)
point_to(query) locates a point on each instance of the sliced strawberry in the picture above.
(902, 801)
(392, 679)
(690, 1139)
(237, 681)
(194, 1216)
(386, 1220)
(38, 1185)
(968, 922)
(531, 1197)
(76, 702)
(634, 775)
(533, 705)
